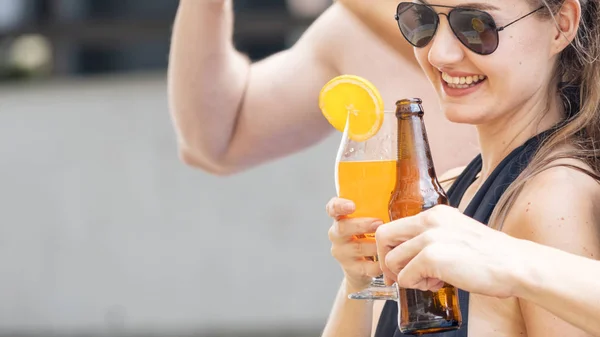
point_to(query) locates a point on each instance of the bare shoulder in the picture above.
(335, 28)
(559, 207)
(344, 33)
(378, 17)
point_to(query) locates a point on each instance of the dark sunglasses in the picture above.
(474, 28)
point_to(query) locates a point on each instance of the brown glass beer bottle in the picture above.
(417, 189)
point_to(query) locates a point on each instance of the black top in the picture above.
(480, 209)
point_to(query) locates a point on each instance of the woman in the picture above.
(538, 164)
(428, 247)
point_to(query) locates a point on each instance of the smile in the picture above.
(462, 82)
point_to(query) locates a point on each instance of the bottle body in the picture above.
(417, 189)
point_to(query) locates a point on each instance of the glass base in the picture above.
(377, 290)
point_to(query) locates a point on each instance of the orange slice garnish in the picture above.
(353, 97)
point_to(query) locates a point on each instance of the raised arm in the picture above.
(230, 114)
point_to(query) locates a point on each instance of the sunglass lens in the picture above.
(475, 29)
(417, 23)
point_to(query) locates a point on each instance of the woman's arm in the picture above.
(352, 318)
(565, 284)
(557, 208)
(444, 244)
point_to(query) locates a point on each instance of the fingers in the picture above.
(344, 230)
(349, 246)
(407, 237)
(356, 250)
(367, 268)
(338, 207)
(401, 230)
(355, 258)
(397, 258)
(396, 232)
(371, 269)
(429, 284)
(421, 271)
(391, 236)
(435, 284)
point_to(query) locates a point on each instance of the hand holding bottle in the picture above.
(443, 245)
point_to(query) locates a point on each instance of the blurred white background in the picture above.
(103, 231)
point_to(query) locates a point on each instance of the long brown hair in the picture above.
(578, 72)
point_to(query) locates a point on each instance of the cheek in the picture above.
(422, 56)
(522, 66)
(532, 51)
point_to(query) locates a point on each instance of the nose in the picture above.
(445, 48)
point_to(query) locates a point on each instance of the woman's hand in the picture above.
(355, 254)
(443, 245)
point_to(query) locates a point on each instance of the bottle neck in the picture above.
(417, 187)
(414, 155)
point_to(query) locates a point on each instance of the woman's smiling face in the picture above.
(481, 89)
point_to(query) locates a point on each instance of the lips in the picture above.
(462, 82)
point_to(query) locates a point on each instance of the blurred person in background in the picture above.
(231, 114)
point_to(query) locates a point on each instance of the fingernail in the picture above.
(348, 207)
(376, 225)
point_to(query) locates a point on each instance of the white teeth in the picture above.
(463, 81)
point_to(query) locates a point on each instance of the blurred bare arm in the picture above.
(230, 114)
(351, 318)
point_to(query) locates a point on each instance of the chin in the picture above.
(462, 115)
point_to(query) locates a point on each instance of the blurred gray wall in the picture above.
(103, 230)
